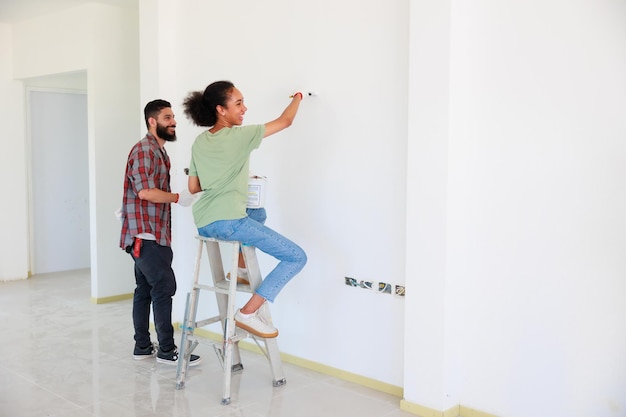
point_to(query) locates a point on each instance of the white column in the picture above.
(429, 81)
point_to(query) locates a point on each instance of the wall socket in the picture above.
(376, 286)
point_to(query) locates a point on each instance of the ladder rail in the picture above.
(230, 328)
(225, 292)
(188, 325)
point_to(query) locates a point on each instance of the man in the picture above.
(146, 234)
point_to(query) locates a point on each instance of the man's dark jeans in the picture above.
(156, 284)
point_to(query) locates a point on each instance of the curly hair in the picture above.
(201, 107)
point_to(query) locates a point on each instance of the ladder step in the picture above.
(216, 289)
(223, 287)
(240, 287)
(208, 321)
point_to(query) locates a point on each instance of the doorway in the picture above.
(59, 181)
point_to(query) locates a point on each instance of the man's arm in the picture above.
(154, 195)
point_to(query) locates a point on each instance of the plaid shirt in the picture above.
(148, 167)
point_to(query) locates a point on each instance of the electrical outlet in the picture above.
(376, 286)
(385, 288)
(351, 282)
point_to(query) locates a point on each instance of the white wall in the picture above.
(52, 44)
(427, 189)
(14, 219)
(534, 245)
(103, 41)
(337, 176)
(114, 108)
(510, 187)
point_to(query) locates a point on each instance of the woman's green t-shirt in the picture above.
(221, 163)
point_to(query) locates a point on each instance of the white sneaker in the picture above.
(242, 276)
(255, 324)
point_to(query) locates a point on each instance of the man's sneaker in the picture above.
(171, 358)
(255, 324)
(145, 353)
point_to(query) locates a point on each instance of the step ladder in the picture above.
(225, 292)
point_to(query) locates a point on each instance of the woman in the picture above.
(219, 167)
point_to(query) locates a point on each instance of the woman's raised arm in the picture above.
(286, 118)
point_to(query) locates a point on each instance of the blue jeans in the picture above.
(251, 231)
(156, 285)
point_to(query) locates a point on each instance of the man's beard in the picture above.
(162, 132)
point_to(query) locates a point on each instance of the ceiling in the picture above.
(12, 11)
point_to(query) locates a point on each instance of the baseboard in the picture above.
(423, 411)
(470, 412)
(419, 410)
(456, 411)
(453, 412)
(314, 366)
(344, 375)
(112, 299)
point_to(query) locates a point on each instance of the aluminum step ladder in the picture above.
(225, 292)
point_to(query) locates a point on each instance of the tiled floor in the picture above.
(63, 356)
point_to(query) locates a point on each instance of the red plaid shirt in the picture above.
(148, 167)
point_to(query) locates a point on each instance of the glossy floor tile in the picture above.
(62, 356)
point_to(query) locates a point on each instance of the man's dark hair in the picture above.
(153, 109)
